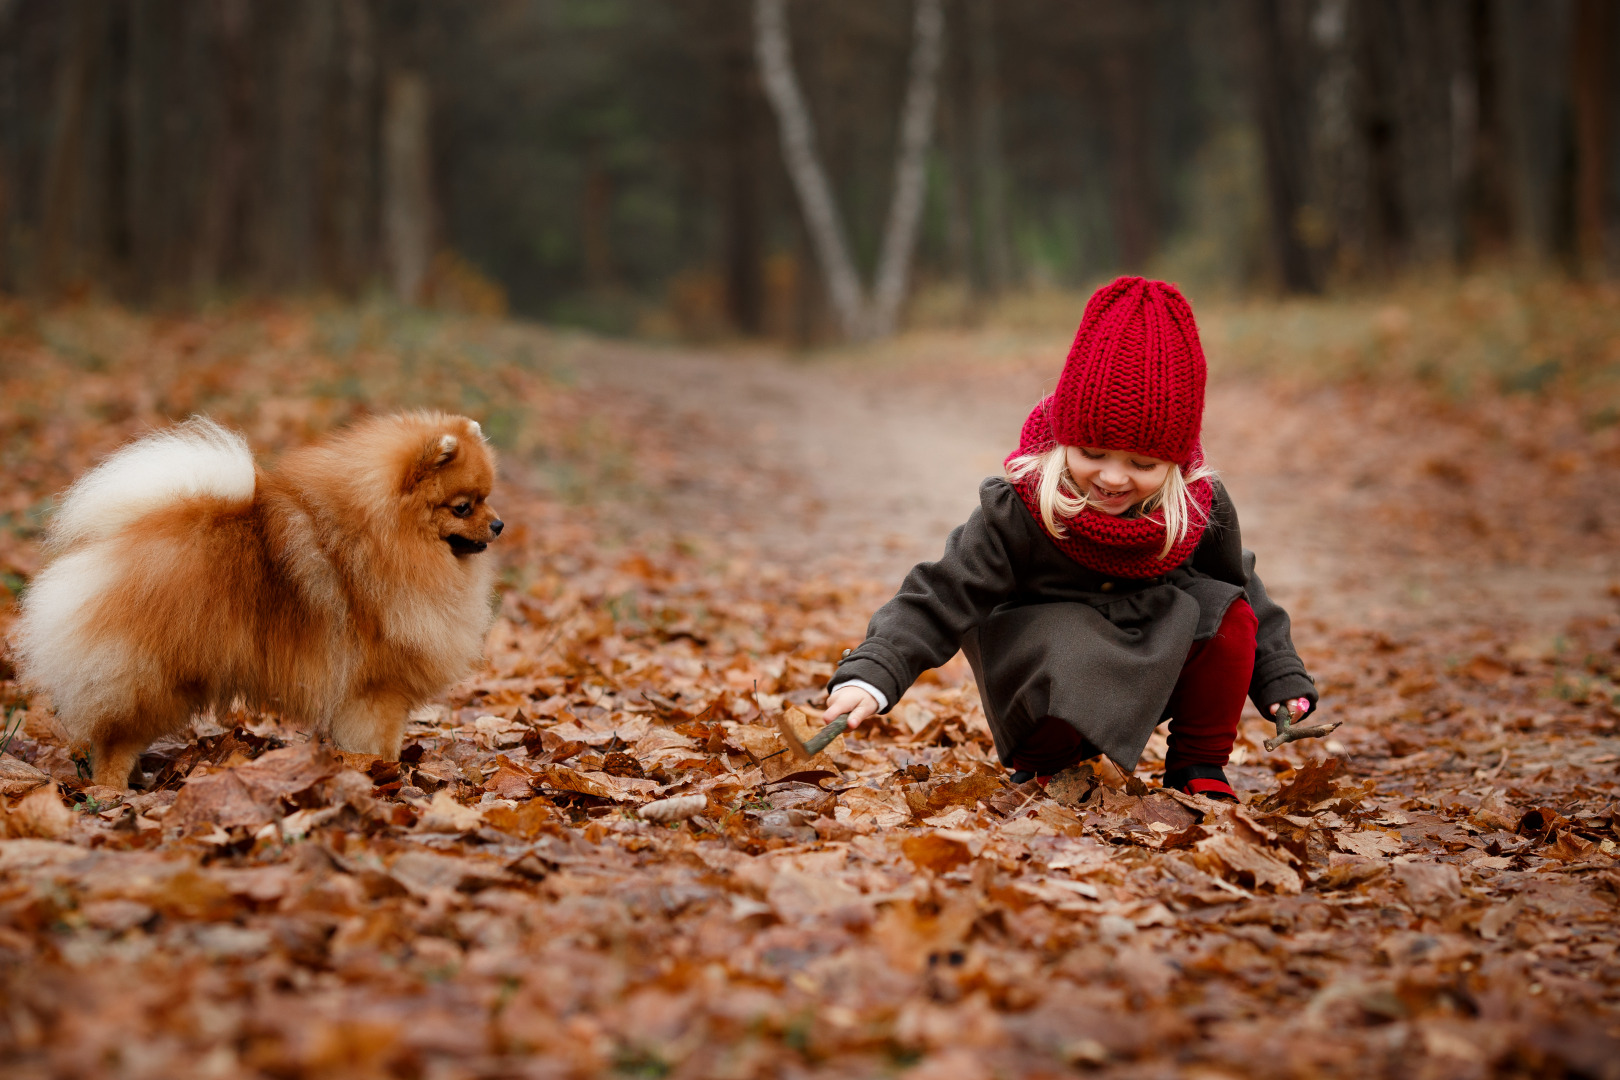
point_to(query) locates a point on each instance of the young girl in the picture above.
(1102, 585)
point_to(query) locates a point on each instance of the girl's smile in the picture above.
(1113, 481)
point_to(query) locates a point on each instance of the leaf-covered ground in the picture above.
(1433, 892)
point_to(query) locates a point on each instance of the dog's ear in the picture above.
(442, 451)
(436, 454)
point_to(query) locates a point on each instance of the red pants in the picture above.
(1204, 708)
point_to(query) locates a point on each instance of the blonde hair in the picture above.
(1059, 495)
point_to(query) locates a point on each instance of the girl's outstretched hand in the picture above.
(853, 700)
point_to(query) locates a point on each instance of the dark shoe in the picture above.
(1021, 776)
(1207, 780)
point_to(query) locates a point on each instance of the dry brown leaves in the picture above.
(1431, 894)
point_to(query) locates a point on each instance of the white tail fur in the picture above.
(195, 459)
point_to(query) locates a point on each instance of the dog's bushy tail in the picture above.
(196, 459)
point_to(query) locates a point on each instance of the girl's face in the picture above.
(1113, 481)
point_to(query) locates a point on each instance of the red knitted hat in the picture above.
(1134, 379)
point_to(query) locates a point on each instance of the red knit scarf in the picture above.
(1126, 547)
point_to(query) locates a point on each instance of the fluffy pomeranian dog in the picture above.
(341, 590)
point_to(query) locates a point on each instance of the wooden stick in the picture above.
(812, 746)
(1287, 732)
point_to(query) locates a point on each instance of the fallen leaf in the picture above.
(39, 814)
(1305, 786)
(1348, 870)
(1248, 862)
(526, 820)
(509, 782)
(942, 793)
(1073, 786)
(939, 850)
(678, 808)
(1495, 812)
(222, 799)
(445, 815)
(562, 778)
(250, 794)
(1492, 862)
(429, 873)
(1569, 847)
(1498, 917)
(1429, 882)
(19, 777)
(796, 895)
(1371, 843)
(882, 809)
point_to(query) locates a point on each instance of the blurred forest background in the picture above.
(617, 165)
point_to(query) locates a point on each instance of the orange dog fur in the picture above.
(342, 589)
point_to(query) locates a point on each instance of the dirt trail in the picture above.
(867, 467)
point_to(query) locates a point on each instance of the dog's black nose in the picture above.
(496, 526)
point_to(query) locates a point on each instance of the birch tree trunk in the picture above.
(858, 319)
(916, 131)
(804, 165)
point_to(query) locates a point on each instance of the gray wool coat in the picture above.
(1047, 637)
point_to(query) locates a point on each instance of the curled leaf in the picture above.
(679, 808)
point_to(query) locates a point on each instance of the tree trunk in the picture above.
(1592, 73)
(745, 271)
(1339, 165)
(1487, 199)
(407, 192)
(957, 162)
(222, 230)
(804, 166)
(351, 165)
(916, 132)
(991, 172)
(293, 218)
(1283, 139)
(1535, 49)
(64, 164)
(10, 177)
(1427, 135)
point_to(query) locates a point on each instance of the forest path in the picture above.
(863, 465)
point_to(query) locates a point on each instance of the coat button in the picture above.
(1108, 586)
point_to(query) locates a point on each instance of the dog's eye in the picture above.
(461, 509)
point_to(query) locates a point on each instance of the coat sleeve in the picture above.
(1220, 553)
(1279, 673)
(923, 625)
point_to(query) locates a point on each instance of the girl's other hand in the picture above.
(1296, 708)
(853, 700)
